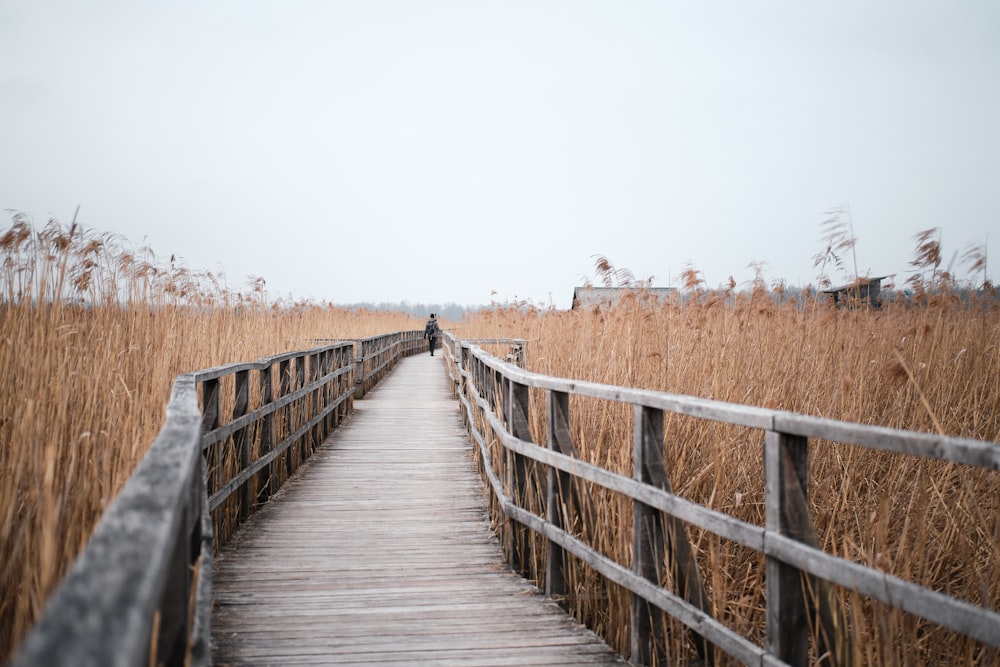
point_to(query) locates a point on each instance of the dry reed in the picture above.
(931, 366)
(92, 334)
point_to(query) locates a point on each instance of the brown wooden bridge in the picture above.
(278, 519)
(379, 551)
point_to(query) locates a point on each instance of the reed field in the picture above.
(92, 335)
(930, 366)
(93, 332)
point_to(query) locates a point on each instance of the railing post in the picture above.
(174, 609)
(241, 442)
(322, 369)
(300, 382)
(653, 539)
(558, 494)
(318, 432)
(464, 373)
(785, 467)
(284, 388)
(647, 537)
(210, 422)
(266, 432)
(359, 369)
(798, 604)
(346, 382)
(519, 553)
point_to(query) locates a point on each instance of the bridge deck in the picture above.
(379, 551)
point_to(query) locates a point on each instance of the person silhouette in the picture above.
(431, 332)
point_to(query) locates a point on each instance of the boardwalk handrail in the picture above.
(378, 354)
(140, 593)
(495, 399)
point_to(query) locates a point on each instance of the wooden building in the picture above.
(863, 291)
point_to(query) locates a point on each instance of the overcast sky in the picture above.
(443, 151)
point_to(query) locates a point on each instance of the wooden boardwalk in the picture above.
(379, 552)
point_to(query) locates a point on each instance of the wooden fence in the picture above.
(495, 398)
(140, 593)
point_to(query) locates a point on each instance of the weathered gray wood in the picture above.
(733, 413)
(210, 421)
(648, 646)
(957, 450)
(559, 494)
(717, 522)
(517, 407)
(380, 353)
(963, 617)
(832, 643)
(264, 480)
(318, 432)
(285, 388)
(229, 369)
(222, 432)
(103, 612)
(788, 511)
(379, 551)
(694, 618)
(785, 463)
(679, 552)
(301, 408)
(263, 461)
(241, 440)
(719, 634)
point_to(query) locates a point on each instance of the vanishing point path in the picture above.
(379, 552)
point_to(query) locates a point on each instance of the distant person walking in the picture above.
(431, 332)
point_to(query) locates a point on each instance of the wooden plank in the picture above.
(957, 450)
(379, 551)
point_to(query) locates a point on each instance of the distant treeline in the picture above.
(448, 311)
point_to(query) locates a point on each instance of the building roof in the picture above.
(864, 281)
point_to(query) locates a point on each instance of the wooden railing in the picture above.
(140, 594)
(378, 354)
(495, 399)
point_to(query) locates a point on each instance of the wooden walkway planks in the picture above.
(379, 552)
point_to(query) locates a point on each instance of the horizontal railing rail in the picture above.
(378, 354)
(140, 593)
(495, 399)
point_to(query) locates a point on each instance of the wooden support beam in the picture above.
(558, 495)
(288, 421)
(786, 464)
(647, 647)
(517, 405)
(663, 535)
(264, 479)
(242, 443)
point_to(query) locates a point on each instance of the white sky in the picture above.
(441, 151)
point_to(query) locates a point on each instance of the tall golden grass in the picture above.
(931, 366)
(93, 332)
(92, 335)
